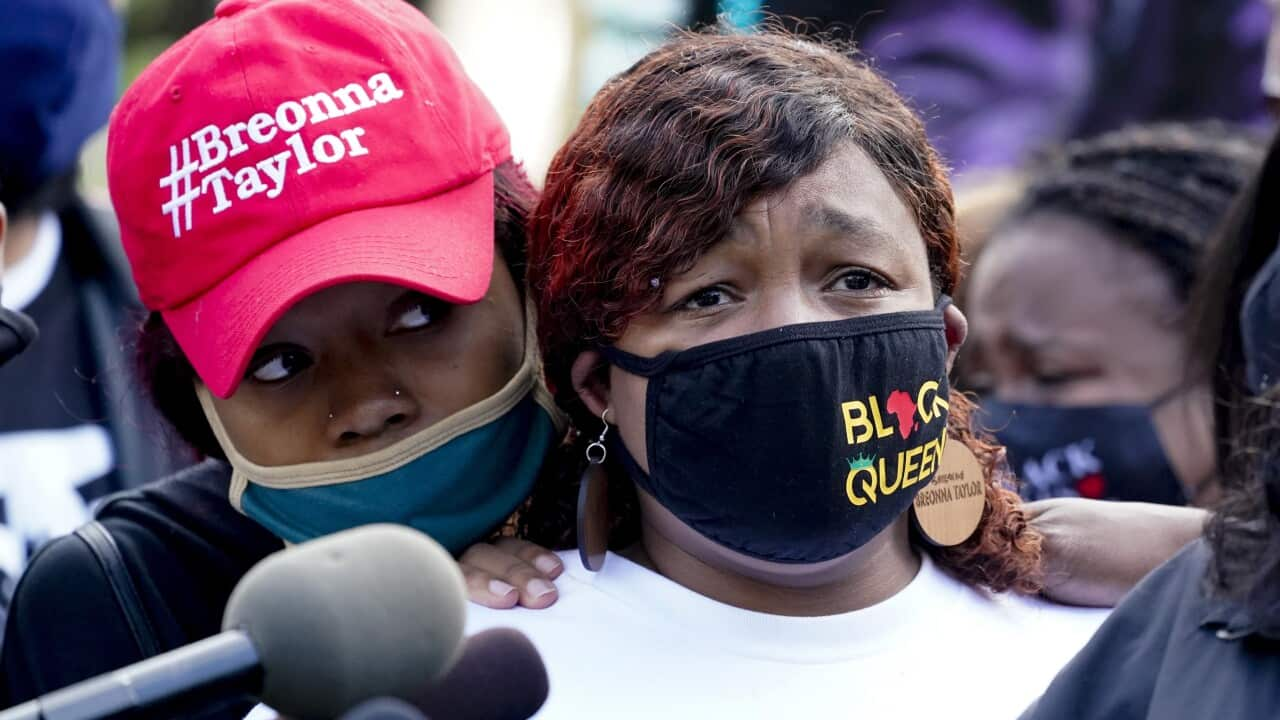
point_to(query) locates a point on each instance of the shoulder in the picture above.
(62, 623)
(184, 548)
(188, 511)
(1131, 644)
(590, 606)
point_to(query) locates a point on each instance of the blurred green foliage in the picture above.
(153, 25)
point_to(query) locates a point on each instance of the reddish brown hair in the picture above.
(667, 154)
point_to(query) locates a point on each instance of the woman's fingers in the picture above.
(541, 558)
(487, 590)
(500, 576)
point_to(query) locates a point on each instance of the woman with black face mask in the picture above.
(1200, 637)
(1078, 305)
(741, 263)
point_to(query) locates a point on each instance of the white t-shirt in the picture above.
(628, 643)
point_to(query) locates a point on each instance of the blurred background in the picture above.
(996, 80)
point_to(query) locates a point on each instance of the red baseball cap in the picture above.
(286, 146)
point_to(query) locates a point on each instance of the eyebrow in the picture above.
(1041, 342)
(862, 228)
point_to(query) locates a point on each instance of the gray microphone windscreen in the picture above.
(498, 676)
(359, 614)
(384, 709)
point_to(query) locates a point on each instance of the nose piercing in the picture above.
(330, 416)
(397, 393)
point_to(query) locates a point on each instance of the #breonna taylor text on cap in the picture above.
(286, 146)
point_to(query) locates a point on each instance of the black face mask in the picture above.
(1107, 452)
(797, 444)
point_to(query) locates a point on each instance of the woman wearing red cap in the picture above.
(322, 215)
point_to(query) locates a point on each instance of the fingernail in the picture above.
(499, 588)
(539, 588)
(547, 563)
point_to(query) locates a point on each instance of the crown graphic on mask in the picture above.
(859, 462)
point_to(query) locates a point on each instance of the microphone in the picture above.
(313, 630)
(499, 676)
(384, 709)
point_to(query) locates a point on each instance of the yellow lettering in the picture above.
(926, 409)
(929, 459)
(930, 410)
(890, 489)
(869, 487)
(909, 462)
(856, 421)
(851, 490)
(881, 430)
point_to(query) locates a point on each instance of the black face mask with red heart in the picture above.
(797, 444)
(1109, 452)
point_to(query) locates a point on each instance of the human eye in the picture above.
(279, 363)
(705, 298)
(416, 311)
(859, 280)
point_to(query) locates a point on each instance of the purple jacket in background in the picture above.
(999, 79)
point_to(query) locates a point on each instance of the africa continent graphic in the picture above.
(904, 408)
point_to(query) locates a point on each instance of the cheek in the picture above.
(256, 426)
(626, 412)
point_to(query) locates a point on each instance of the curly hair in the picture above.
(1162, 189)
(169, 379)
(665, 157)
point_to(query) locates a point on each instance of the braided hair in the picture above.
(1163, 189)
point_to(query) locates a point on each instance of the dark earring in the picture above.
(593, 503)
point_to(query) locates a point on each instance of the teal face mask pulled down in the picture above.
(457, 493)
(456, 480)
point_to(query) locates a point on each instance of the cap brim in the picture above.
(441, 246)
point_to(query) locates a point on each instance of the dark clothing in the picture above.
(186, 548)
(145, 446)
(74, 390)
(1170, 652)
(50, 388)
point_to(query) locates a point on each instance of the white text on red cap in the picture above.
(214, 146)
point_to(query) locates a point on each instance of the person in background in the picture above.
(999, 80)
(73, 426)
(1078, 310)
(1200, 637)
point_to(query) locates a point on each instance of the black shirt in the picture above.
(52, 411)
(186, 548)
(1169, 652)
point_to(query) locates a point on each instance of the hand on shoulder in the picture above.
(511, 572)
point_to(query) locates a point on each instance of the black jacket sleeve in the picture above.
(1114, 677)
(185, 549)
